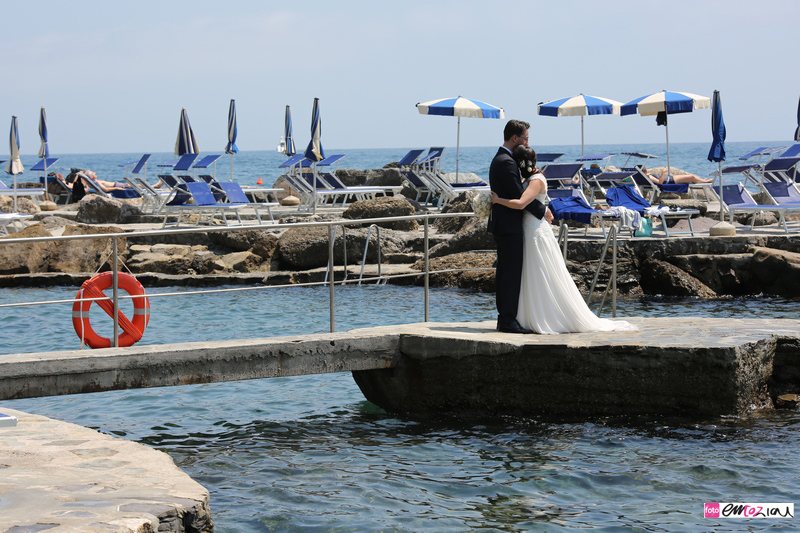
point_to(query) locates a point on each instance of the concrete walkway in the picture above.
(60, 477)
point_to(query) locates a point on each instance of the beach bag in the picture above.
(647, 228)
(482, 204)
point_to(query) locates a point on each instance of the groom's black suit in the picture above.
(506, 225)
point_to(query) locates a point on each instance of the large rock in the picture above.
(472, 236)
(95, 209)
(305, 248)
(762, 218)
(383, 177)
(778, 271)
(462, 204)
(174, 259)
(660, 277)
(85, 255)
(483, 280)
(382, 207)
(26, 258)
(25, 206)
(722, 273)
(259, 242)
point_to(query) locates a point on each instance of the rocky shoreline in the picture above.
(753, 263)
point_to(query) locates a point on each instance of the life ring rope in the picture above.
(93, 288)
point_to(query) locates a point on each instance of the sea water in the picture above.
(309, 453)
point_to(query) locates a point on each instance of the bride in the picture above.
(549, 301)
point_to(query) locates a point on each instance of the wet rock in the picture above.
(384, 206)
(483, 280)
(472, 236)
(787, 401)
(660, 277)
(86, 255)
(26, 258)
(722, 273)
(95, 209)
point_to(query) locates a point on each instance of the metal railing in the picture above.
(329, 279)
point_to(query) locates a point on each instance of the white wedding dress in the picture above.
(549, 301)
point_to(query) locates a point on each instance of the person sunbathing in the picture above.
(675, 178)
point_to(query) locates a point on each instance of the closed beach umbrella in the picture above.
(14, 165)
(314, 152)
(231, 147)
(797, 131)
(290, 149)
(44, 149)
(580, 105)
(185, 143)
(718, 134)
(663, 104)
(460, 107)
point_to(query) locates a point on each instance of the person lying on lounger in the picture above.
(675, 178)
(105, 185)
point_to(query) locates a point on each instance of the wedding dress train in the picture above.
(549, 301)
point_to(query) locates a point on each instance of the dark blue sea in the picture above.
(309, 453)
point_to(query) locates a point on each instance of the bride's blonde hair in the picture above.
(525, 157)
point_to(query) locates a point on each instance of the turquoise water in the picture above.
(309, 453)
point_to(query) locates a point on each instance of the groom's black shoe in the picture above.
(512, 327)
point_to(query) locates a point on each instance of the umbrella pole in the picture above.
(15, 190)
(666, 129)
(458, 146)
(231, 178)
(581, 135)
(719, 173)
(314, 182)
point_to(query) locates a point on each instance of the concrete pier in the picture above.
(62, 477)
(687, 365)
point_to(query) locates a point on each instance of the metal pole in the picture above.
(614, 278)
(115, 287)
(330, 275)
(458, 146)
(427, 274)
(581, 135)
(314, 181)
(231, 178)
(666, 129)
(719, 173)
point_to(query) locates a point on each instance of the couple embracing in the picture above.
(535, 292)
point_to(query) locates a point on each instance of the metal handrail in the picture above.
(610, 239)
(366, 248)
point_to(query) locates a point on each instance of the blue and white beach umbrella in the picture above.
(44, 149)
(718, 134)
(185, 143)
(460, 107)
(289, 148)
(314, 152)
(14, 165)
(231, 147)
(580, 105)
(667, 102)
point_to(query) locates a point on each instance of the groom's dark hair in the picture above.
(515, 127)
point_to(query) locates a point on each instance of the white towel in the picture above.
(628, 218)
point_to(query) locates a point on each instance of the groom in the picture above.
(506, 225)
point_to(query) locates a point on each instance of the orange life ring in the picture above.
(93, 288)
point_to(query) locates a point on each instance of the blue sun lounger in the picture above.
(204, 204)
(737, 199)
(628, 196)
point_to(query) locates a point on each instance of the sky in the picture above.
(113, 76)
